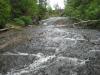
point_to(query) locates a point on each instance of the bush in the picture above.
(26, 19)
(5, 10)
(89, 9)
(24, 7)
(18, 21)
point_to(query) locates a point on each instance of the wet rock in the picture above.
(93, 65)
(63, 66)
(10, 61)
(52, 65)
(95, 54)
(96, 42)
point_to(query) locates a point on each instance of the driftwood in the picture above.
(5, 29)
(87, 23)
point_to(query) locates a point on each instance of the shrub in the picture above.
(18, 21)
(26, 19)
(24, 7)
(83, 9)
(5, 10)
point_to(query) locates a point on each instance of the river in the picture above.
(47, 49)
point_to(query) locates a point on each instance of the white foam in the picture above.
(32, 67)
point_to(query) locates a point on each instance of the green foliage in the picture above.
(18, 21)
(23, 21)
(54, 13)
(50, 11)
(83, 9)
(24, 7)
(21, 11)
(4, 12)
(26, 19)
(29, 7)
(41, 12)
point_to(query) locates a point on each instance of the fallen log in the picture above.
(88, 23)
(5, 29)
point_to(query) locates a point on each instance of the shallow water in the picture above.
(43, 45)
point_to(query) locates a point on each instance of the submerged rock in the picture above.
(93, 65)
(94, 54)
(65, 66)
(96, 42)
(52, 65)
(62, 66)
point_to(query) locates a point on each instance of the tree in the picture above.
(88, 9)
(43, 3)
(24, 7)
(42, 9)
(49, 10)
(5, 10)
(28, 8)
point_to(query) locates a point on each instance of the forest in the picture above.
(25, 12)
(83, 9)
(21, 12)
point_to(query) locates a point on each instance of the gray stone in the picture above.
(94, 54)
(93, 65)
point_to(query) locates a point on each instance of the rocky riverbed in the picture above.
(54, 47)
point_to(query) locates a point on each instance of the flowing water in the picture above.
(47, 49)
